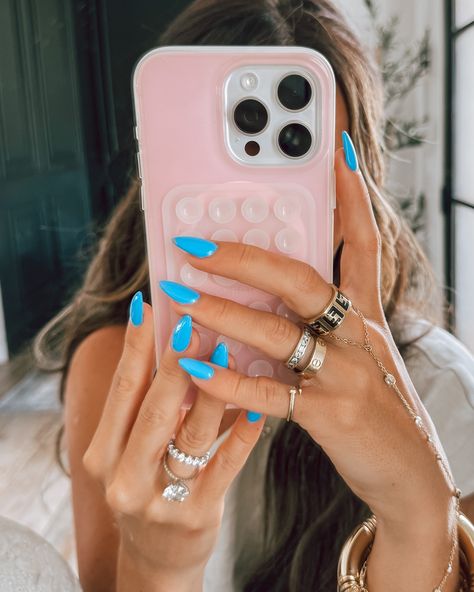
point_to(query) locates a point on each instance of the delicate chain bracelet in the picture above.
(390, 380)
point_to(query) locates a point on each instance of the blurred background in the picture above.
(67, 151)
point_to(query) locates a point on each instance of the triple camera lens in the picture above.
(294, 93)
(251, 116)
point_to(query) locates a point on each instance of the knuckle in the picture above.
(152, 415)
(371, 242)
(277, 329)
(123, 386)
(120, 499)
(304, 278)
(222, 310)
(227, 463)
(193, 436)
(169, 371)
(93, 464)
(245, 255)
(266, 389)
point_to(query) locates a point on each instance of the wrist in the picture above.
(135, 573)
(414, 553)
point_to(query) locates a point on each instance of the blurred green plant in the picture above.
(403, 67)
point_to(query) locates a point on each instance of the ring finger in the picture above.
(200, 426)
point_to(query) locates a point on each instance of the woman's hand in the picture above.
(347, 407)
(164, 544)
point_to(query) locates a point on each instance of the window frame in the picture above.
(449, 200)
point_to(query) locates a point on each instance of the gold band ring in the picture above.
(294, 390)
(332, 316)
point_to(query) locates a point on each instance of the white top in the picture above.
(442, 371)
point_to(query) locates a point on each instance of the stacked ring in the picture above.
(332, 316)
(177, 490)
(317, 358)
(300, 349)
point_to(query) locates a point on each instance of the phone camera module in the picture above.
(294, 92)
(250, 116)
(294, 140)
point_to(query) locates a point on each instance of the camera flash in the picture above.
(249, 81)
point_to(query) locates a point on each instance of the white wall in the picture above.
(422, 168)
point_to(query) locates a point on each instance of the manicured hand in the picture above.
(164, 544)
(347, 407)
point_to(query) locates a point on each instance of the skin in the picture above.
(119, 421)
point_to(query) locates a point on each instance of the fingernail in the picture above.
(196, 368)
(179, 293)
(136, 309)
(220, 355)
(199, 247)
(182, 333)
(349, 152)
(253, 416)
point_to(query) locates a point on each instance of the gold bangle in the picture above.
(356, 549)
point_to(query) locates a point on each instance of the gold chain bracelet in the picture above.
(391, 382)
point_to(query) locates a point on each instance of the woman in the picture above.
(351, 445)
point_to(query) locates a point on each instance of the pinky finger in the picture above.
(232, 455)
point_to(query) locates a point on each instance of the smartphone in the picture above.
(234, 144)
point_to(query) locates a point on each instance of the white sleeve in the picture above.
(442, 371)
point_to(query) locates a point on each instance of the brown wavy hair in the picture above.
(309, 510)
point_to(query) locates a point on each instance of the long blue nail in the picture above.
(199, 247)
(136, 309)
(179, 293)
(253, 416)
(220, 356)
(182, 334)
(349, 152)
(196, 368)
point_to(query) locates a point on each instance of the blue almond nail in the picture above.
(136, 309)
(199, 247)
(182, 334)
(179, 293)
(196, 368)
(220, 356)
(253, 416)
(349, 151)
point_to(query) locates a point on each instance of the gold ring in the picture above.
(332, 316)
(317, 359)
(294, 390)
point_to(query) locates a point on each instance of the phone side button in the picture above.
(139, 165)
(333, 182)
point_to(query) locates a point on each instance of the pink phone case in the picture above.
(192, 186)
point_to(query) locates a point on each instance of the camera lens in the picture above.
(294, 140)
(294, 92)
(250, 116)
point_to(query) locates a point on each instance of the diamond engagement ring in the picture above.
(176, 490)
